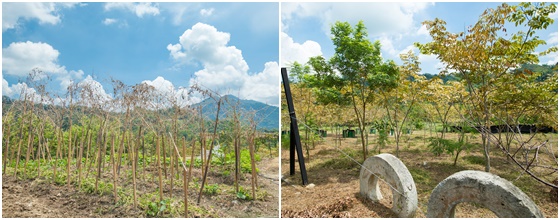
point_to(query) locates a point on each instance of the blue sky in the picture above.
(227, 47)
(305, 28)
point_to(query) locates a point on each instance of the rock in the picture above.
(310, 186)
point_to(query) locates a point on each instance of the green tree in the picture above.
(355, 74)
(484, 55)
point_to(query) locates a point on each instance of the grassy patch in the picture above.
(472, 159)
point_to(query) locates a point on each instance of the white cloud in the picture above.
(46, 13)
(430, 63)
(164, 89)
(20, 91)
(263, 86)
(6, 90)
(552, 38)
(175, 51)
(109, 21)
(19, 58)
(379, 17)
(423, 31)
(224, 68)
(292, 51)
(140, 9)
(206, 12)
(92, 91)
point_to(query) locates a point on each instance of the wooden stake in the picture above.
(114, 168)
(99, 159)
(80, 162)
(29, 144)
(159, 170)
(7, 149)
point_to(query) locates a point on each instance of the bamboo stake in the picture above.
(87, 155)
(121, 146)
(253, 168)
(99, 160)
(143, 160)
(172, 177)
(114, 168)
(39, 158)
(210, 153)
(189, 176)
(29, 143)
(159, 169)
(17, 158)
(69, 154)
(134, 164)
(59, 140)
(6, 155)
(185, 181)
(163, 149)
(80, 162)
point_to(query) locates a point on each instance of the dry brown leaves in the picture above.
(333, 210)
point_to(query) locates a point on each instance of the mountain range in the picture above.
(267, 116)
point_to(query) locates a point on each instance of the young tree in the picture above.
(483, 55)
(355, 73)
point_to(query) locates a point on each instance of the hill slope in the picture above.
(265, 115)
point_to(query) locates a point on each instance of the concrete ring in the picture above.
(395, 173)
(486, 189)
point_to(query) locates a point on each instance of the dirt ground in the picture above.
(39, 198)
(334, 188)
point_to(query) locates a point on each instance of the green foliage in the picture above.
(438, 146)
(156, 209)
(212, 189)
(285, 140)
(243, 194)
(245, 160)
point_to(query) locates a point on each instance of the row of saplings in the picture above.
(126, 149)
(486, 189)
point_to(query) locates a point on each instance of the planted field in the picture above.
(137, 161)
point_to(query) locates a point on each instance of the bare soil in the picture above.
(334, 189)
(40, 198)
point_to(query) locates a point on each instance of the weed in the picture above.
(243, 194)
(212, 189)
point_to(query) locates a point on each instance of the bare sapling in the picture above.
(134, 162)
(252, 153)
(59, 140)
(210, 153)
(80, 161)
(119, 156)
(29, 145)
(99, 159)
(171, 172)
(87, 154)
(6, 149)
(185, 181)
(159, 169)
(163, 149)
(114, 165)
(38, 160)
